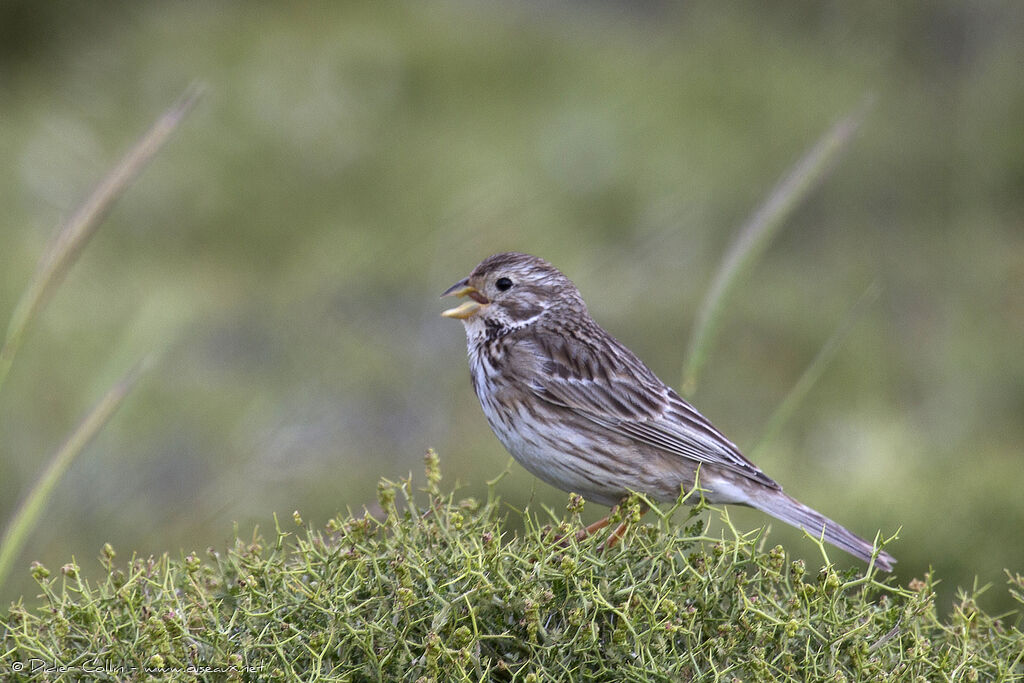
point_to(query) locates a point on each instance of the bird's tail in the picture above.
(791, 511)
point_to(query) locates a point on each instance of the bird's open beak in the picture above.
(469, 308)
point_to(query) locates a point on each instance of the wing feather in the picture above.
(603, 381)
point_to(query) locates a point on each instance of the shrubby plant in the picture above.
(435, 588)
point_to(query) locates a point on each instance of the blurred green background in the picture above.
(352, 160)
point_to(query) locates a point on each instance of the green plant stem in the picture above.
(817, 366)
(27, 514)
(757, 232)
(68, 243)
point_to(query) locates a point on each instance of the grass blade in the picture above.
(821, 360)
(27, 514)
(68, 243)
(758, 231)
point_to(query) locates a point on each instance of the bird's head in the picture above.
(511, 290)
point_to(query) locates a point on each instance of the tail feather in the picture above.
(793, 512)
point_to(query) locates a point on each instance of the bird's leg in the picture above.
(620, 530)
(593, 528)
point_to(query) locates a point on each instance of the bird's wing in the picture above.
(606, 383)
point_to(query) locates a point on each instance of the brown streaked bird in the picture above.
(580, 411)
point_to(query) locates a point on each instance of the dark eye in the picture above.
(503, 284)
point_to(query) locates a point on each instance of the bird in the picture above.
(582, 412)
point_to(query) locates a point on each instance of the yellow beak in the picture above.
(469, 308)
(462, 311)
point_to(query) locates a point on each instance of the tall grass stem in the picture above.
(817, 366)
(31, 508)
(755, 235)
(65, 247)
(58, 258)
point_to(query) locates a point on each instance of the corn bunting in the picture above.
(580, 411)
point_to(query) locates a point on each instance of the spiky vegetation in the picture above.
(434, 588)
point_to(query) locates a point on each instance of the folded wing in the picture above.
(610, 386)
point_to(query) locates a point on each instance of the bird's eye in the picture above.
(503, 284)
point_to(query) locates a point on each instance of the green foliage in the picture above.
(434, 589)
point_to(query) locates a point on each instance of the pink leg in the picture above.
(615, 536)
